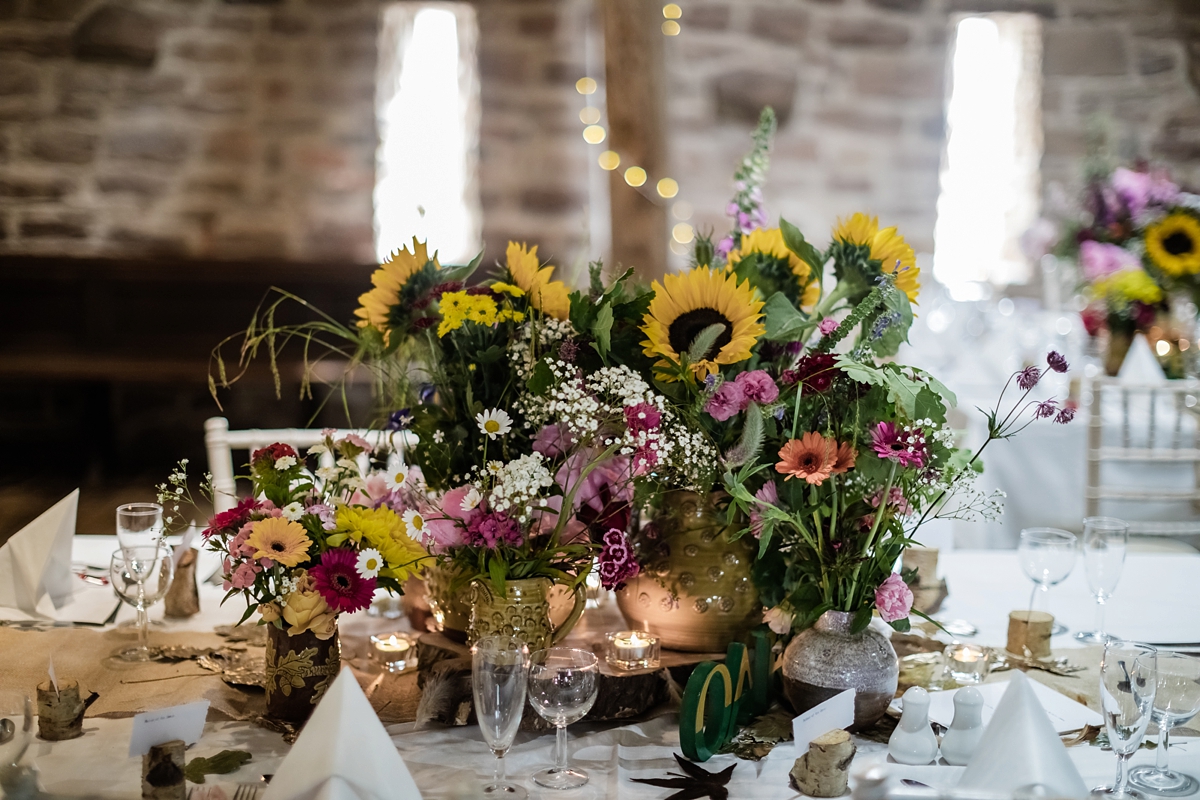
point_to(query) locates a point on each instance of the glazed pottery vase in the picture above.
(828, 659)
(451, 610)
(522, 611)
(298, 671)
(1119, 343)
(694, 591)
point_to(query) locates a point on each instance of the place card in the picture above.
(836, 712)
(184, 722)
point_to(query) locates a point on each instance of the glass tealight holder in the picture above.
(394, 652)
(632, 650)
(968, 663)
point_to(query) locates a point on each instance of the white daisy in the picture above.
(284, 462)
(369, 563)
(414, 521)
(471, 500)
(396, 479)
(327, 473)
(293, 511)
(494, 422)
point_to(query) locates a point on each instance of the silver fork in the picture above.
(246, 791)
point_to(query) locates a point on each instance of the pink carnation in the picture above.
(1100, 260)
(827, 326)
(893, 598)
(757, 385)
(727, 402)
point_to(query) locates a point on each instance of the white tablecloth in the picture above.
(1155, 601)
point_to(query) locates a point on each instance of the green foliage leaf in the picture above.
(929, 405)
(602, 329)
(540, 380)
(704, 341)
(894, 302)
(461, 273)
(862, 618)
(863, 373)
(222, 763)
(498, 574)
(901, 625)
(795, 241)
(903, 392)
(782, 320)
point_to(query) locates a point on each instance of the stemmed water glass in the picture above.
(141, 575)
(16, 732)
(1128, 682)
(499, 676)
(1176, 701)
(1047, 555)
(1104, 542)
(139, 524)
(562, 689)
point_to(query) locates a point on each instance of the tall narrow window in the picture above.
(427, 102)
(990, 181)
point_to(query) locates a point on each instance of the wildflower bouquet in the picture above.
(309, 544)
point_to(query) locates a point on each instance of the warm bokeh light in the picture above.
(609, 160)
(1184, 344)
(682, 210)
(672, 11)
(635, 176)
(683, 233)
(679, 249)
(1162, 347)
(670, 28)
(589, 115)
(667, 187)
(593, 134)
(586, 86)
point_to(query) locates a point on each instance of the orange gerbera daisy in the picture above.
(844, 459)
(810, 457)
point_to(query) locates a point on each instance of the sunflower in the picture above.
(684, 305)
(379, 304)
(769, 242)
(886, 246)
(1173, 244)
(281, 540)
(549, 297)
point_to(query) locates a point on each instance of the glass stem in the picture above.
(1119, 788)
(143, 619)
(1033, 596)
(560, 749)
(1164, 741)
(1100, 615)
(501, 769)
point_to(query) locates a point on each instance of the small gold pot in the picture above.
(451, 611)
(524, 611)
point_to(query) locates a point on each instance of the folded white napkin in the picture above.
(1140, 364)
(35, 564)
(343, 753)
(1020, 748)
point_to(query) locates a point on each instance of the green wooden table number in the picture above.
(720, 697)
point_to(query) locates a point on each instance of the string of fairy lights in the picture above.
(665, 189)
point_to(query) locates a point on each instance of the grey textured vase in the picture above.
(827, 659)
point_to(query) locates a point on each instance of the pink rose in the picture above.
(778, 619)
(1100, 260)
(893, 598)
(727, 402)
(757, 386)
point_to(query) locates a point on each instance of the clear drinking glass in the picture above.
(141, 576)
(1177, 701)
(16, 728)
(1104, 542)
(1047, 555)
(139, 524)
(562, 689)
(499, 677)
(1128, 682)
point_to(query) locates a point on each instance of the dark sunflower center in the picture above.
(278, 547)
(1178, 244)
(342, 581)
(687, 326)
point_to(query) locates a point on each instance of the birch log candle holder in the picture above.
(60, 711)
(824, 771)
(1029, 633)
(183, 596)
(163, 772)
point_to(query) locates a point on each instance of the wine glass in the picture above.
(141, 576)
(562, 689)
(1128, 682)
(16, 730)
(139, 524)
(1104, 542)
(1176, 701)
(499, 676)
(1047, 555)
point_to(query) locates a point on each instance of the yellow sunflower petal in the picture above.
(859, 229)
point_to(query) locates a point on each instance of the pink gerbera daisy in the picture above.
(891, 443)
(337, 580)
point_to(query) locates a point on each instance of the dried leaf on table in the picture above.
(254, 635)
(222, 763)
(756, 740)
(697, 783)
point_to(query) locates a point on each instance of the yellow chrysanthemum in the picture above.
(384, 530)
(684, 305)
(460, 307)
(281, 540)
(769, 241)
(549, 297)
(1124, 287)
(1173, 244)
(388, 280)
(887, 247)
(500, 287)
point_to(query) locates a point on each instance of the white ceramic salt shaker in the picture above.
(960, 741)
(913, 741)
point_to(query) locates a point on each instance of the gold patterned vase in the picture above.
(524, 611)
(298, 671)
(451, 610)
(695, 591)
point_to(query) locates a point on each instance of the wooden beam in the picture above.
(634, 80)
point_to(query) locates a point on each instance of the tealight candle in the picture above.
(632, 650)
(968, 663)
(395, 652)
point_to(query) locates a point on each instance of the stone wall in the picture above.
(213, 128)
